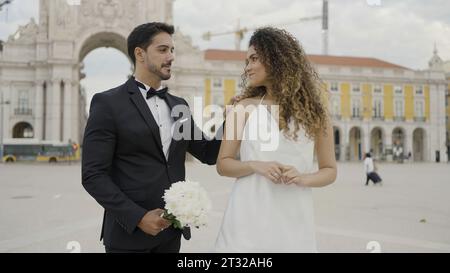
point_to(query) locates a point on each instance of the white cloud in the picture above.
(223, 16)
(105, 68)
(17, 13)
(402, 32)
(388, 32)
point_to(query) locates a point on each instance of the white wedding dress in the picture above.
(262, 216)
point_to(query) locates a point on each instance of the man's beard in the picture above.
(154, 69)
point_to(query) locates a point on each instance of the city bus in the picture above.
(17, 150)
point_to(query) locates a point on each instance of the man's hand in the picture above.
(152, 223)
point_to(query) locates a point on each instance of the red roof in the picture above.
(234, 55)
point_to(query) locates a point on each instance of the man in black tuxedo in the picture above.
(130, 154)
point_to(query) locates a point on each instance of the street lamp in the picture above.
(1, 126)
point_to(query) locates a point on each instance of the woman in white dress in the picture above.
(270, 138)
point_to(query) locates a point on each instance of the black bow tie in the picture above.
(152, 92)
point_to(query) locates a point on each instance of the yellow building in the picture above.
(377, 106)
(448, 115)
(446, 67)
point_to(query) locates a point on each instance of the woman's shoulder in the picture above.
(246, 106)
(252, 101)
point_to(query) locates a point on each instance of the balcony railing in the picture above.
(378, 118)
(336, 117)
(420, 119)
(397, 118)
(23, 111)
(357, 117)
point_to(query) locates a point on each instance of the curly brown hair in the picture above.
(298, 90)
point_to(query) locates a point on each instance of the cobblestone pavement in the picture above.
(44, 208)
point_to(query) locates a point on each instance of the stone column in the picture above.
(48, 111)
(409, 145)
(345, 146)
(437, 121)
(76, 114)
(8, 111)
(67, 116)
(55, 114)
(366, 138)
(388, 142)
(38, 110)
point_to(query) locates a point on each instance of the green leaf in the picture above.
(177, 224)
(172, 219)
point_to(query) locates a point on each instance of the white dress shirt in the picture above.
(368, 165)
(162, 115)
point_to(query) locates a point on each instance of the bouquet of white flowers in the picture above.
(187, 205)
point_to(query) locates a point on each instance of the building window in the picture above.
(356, 108)
(356, 88)
(218, 99)
(23, 100)
(377, 89)
(377, 108)
(23, 107)
(419, 90)
(217, 83)
(335, 107)
(420, 109)
(398, 90)
(399, 109)
(334, 87)
(23, 130)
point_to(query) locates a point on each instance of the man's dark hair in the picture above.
(142, 36)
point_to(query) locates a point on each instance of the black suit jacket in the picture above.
(124, 167)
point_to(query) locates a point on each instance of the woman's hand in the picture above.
(292, 176)
(271, 170)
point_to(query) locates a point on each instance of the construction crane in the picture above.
(240, 32)
(4, 3)
(325, 22)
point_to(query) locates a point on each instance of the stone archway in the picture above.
(23, 130)
(102, 39)
(54, 48)
(399, 144)
(96, 46)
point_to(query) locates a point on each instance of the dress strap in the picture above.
(262, 99)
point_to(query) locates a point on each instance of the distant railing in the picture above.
(336, 117)
(420, 119)
(378, 118)
(23, 111)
